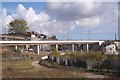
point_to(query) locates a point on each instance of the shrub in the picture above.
(55, 53)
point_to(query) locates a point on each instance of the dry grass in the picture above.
(6, 51)
(16, 69)
(24, 69)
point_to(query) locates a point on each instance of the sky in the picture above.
(66, 20)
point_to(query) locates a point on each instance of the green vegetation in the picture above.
(49, 64)
(24, 69)
(18, 26)
(94, 55)
(55, 53)
(85, 55)
(93, 60)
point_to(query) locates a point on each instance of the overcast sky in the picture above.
(67, 20)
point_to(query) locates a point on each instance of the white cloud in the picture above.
(75, 10)
(88, 22)
(81, 0)
(60, 17)
(85, 14)
(36, 22)
(41, 21)
(5, 20)
(55, 27)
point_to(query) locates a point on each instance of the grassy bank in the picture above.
(21, 69)
(24, 69)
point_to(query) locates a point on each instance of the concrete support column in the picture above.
(27, 47)
(56, 47)
(87, 47)
(16, 47)
(81, 48)
(73, 48)
(38, 49)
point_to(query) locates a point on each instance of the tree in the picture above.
(53, 37)
(18, 26)
(92, 58)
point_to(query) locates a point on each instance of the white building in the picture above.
(32, 36)
(111, 49)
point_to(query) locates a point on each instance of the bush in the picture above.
(55, 53)
(9, 68)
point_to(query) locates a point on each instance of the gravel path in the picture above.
(37, 66)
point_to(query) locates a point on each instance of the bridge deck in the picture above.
(48, 42)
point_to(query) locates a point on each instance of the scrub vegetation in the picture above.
(22, 68)
(93, 60)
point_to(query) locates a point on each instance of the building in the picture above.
(111, 49)
(32, 36)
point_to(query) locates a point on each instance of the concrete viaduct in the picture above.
(38, 43)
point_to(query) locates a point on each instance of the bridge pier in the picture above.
(38, 49)
(27, 47)
(16, 47)
(56, 47)
(73, 49)
(87, 47)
